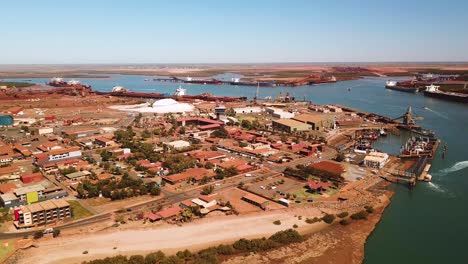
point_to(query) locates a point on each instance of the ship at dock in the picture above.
(420, 146)
(237, 81)
(407, 86)
(202, 81)
(433, 91)
(180, 94)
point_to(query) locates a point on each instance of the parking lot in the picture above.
(275, 187)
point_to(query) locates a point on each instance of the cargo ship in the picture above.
(202, 81)
(59, 82)
(407, 86)
(237, 81)
(433, 91)
(180, 94)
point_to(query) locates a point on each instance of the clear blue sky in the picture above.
(198, 31)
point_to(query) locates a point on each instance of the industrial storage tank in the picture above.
(6, 120)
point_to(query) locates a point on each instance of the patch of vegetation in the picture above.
(277, 222)
(38, 235)
(304, 172)
(313, 220)
(369, 209)
(344, 222)
(328, 218)
(116, 190)
(78, 211)
(5, 216)
(207, 190)
(360, 215)
(4, 251)
(209, 255)
(342, 214)
(16, 84)
(220, 133)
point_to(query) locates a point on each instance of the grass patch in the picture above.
(4, 251)
(16, 84)
(78, 211)
(245, 117)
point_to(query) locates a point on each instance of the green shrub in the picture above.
(328, 218)
(342, 214)
(360, 215)
(369, 209)
(277, 222)
(313, 220)
(38, 234)
(295, 226)
(286, 236)
(344, 222)
(225, 249)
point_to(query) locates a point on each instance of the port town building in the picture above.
(318, 122)
(41, 213)
(177, 145)
(58, 155)
(278, 113)
(376, 159)
(256, 200)
(290, 125)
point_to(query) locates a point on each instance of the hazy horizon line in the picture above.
(235, 63)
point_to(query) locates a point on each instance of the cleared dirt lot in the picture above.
(234, 196)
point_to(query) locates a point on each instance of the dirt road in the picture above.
(170, 238)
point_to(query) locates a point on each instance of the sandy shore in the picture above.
(170, 238)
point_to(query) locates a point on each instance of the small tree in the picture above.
(340, 157)
(328, 218)
(38, 234)
(207, 190)
(56, 233)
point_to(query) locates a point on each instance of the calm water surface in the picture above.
(425, 225)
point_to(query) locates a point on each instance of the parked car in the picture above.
(48, 231)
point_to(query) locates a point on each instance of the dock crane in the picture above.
(409, 119)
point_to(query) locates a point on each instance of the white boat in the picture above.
(391, 83)
(117, 89)
(428, 178)
(382, 132)
(180, 91)
(73, 82)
